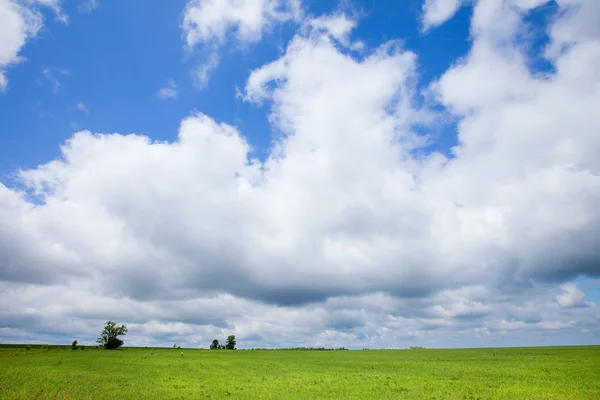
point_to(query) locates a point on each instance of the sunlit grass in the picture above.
(138, 373)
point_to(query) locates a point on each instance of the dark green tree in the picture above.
(214, 345)
(109, 338)
(230, 342)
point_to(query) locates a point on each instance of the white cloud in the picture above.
(347, 232)
(571, 296)
(338, 26)
(203, 72)
(53, 313)
(436, 12)
(208, 20)
(536, 157)
(580, 23)
(88, 6)
(169, 91)
(20, 22)
(17, 25)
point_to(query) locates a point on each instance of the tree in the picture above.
(214, 345)
(109, 337)
(230, 342)
(74, 345)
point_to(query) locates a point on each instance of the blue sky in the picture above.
(116, 72)
(425, 171)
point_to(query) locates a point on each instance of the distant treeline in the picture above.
(300, 349)
(36, 346)
(69, 347)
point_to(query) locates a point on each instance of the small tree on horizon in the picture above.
(230, 342)
(214, 345)
(109, 338)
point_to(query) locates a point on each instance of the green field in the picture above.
(136, 373)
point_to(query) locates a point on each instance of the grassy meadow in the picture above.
(138, 373)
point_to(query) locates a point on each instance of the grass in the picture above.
(137, 373)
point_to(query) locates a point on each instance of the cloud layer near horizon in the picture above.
(352, 231)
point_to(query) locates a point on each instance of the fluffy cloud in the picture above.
(350, 232)
(533, 162)
(211, 22)
(20, 21)
(571, 296)
(436, 12)
(17, 25)
(464, 317)
(207, 20)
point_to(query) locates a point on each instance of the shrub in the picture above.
(82, 347)
(28, 347)
(181, 354)
(178, 347)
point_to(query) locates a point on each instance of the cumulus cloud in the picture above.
(516, 131)
(338, 26)
(571, 296)
(17, 25)
(436, 12)
(169, 91)
(213, 20)
(349, 232)
(19, 22)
